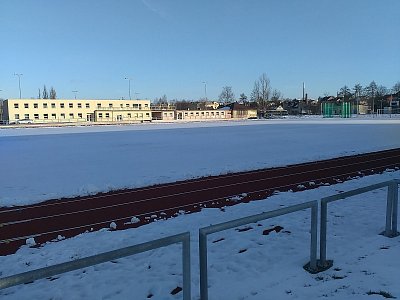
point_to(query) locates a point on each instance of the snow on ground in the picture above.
(243, 264)
(46, 163)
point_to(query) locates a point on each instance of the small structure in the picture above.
(336, 107)
(217, 114)
(279, 111)
(241, 111)
(163, 112)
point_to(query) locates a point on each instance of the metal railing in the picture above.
(391, 212)
(46, 272)
(203, 232)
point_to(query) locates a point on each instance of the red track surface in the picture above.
(68, 217)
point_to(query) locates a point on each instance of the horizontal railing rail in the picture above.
(391, 212)
(46, 272)
(203, 232)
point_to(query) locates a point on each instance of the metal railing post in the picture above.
(203, 265)
(186, 267)
(81, 263)
(322, 238)
(313, 246)
(389, 210)
(395, 207)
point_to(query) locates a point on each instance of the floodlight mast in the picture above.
(19, 82)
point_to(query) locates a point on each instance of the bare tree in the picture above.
(226, 95)
(261, 91)
(53, 94)
(45, 95)
(345, 93)
(396, 87)
(276, 95)
(370, 91)
(242, 97)
(358, 89)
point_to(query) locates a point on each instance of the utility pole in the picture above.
(19, 83)
(205, 89)
(129, 80)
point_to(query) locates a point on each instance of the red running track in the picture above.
(68, 217)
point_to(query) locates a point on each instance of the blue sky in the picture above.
(172, 46)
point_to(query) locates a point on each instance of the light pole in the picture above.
(75, 93)
(205, 89)
(136, 95)
(129, 80)
(19, 83)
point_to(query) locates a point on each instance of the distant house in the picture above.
(241, 111)
(279, 111)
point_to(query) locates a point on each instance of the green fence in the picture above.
(330, 109)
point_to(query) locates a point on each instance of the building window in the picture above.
(222, 113)
(79, 115)
(98, 105)
(140, 106)
(36, 116)
(71, 105)
(121, 105)
(110, 105)
(53, 116)
(146, 105)
(107, 115)
(45, 116)
(53, 105)
(63, 116)
(135, 106)
(44, 105)
(127, 105)
(26, 105)
(79, 105)
(87, 105)
(15, 105)
(35, 105)
(71, 115)
(129, 115)
(100, 115)
(147, 114)
(62, 105)
(16, 116)
(171, 114)
(197, 113)
(26, 116)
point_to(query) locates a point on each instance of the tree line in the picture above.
(263, 94)
(373, 90)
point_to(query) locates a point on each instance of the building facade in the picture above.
(71, 111)
(203, 114)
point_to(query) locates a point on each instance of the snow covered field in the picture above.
(242, 264)
(39, 164)
(45, 163)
